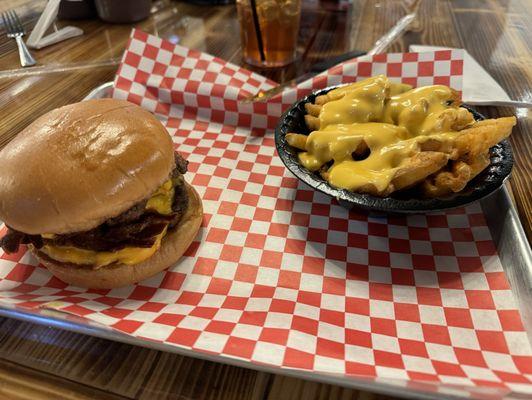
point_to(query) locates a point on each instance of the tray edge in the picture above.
(519, 288)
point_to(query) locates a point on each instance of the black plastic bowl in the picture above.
(485, 183)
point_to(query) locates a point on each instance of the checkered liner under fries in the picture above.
(281, 274)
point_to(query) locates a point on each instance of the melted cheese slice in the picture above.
(160, 201)
(97, 259)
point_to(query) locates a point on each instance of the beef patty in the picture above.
(135, 227)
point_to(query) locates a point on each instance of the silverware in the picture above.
(501, 103)
(401, 25)
(15, 30)
(380, 45)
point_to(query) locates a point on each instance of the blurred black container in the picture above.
(210, 2)
(123, 11)
(76, 9)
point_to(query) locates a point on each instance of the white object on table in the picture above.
(37, 40)
(478, 87)
(384, 42)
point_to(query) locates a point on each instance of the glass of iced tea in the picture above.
(273, 42)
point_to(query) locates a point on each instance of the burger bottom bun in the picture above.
(173, 245)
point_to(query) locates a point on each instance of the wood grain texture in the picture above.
(22, 383)
(503, 48)
(38, 362)
(44, 362)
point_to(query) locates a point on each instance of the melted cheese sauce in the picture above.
(160, 201)
(391, 120)
(361, 102)
(418, 110)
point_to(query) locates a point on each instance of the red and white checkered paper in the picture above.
(283, 275)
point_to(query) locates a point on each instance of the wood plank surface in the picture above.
(39, 362)
(48, 363)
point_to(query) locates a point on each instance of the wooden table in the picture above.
(43, 362)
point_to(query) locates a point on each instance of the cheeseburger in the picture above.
(97, 193)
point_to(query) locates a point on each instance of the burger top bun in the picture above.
(81, 164)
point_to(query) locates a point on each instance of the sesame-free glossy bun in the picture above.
(78, 165)
(173, 246)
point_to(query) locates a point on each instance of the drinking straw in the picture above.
(257, 29)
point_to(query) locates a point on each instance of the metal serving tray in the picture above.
(507, 233)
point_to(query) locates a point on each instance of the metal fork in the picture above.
(15, 30)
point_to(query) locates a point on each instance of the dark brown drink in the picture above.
(278, 27)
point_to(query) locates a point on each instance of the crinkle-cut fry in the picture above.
(453, 119)
(368, 188)
(313, 109)
(483, 135)
(297, 140)
(470, 141)
(455, 180)
(477, 162)
(416, 168)
(330, 96)
(464, 119)
(429, 189)
(372, 189)
(324, 172)
(455, 99)
(413, 171)
(439, 145)
(313, 123)
(511, 121)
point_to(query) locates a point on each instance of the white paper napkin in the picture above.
(479, 88)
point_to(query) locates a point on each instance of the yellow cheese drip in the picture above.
(160, 201)
(338, 142)
(97, 259)
(391, 120)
